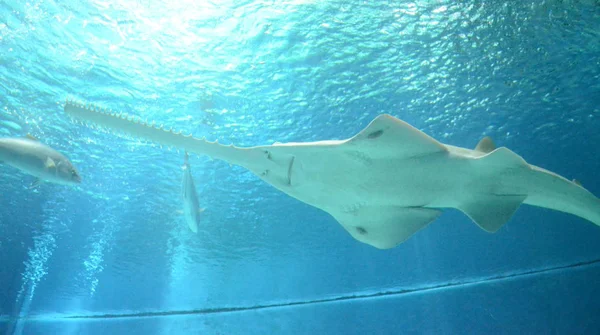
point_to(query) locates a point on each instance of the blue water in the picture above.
(114, 256)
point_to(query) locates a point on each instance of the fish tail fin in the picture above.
(186, 157)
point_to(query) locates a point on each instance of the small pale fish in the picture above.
(37, 159)
(191, 204)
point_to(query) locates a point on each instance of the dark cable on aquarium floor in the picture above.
(362, 296)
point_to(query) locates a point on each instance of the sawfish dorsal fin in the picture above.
(486, 145)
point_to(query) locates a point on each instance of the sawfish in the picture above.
(388, 181)
(191, 204)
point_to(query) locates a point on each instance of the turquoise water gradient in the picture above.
(255, 72)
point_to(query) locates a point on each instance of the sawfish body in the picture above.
(191, 204)
(35, 158)
(389, 180)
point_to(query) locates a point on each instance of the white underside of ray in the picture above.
(388, 181)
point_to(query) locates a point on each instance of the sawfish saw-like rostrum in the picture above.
(386, 182)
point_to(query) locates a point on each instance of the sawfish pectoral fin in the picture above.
(388, 135)
(386, 227)
(490, 211)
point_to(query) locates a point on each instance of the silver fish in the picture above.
(191, 204)
(37, 159)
